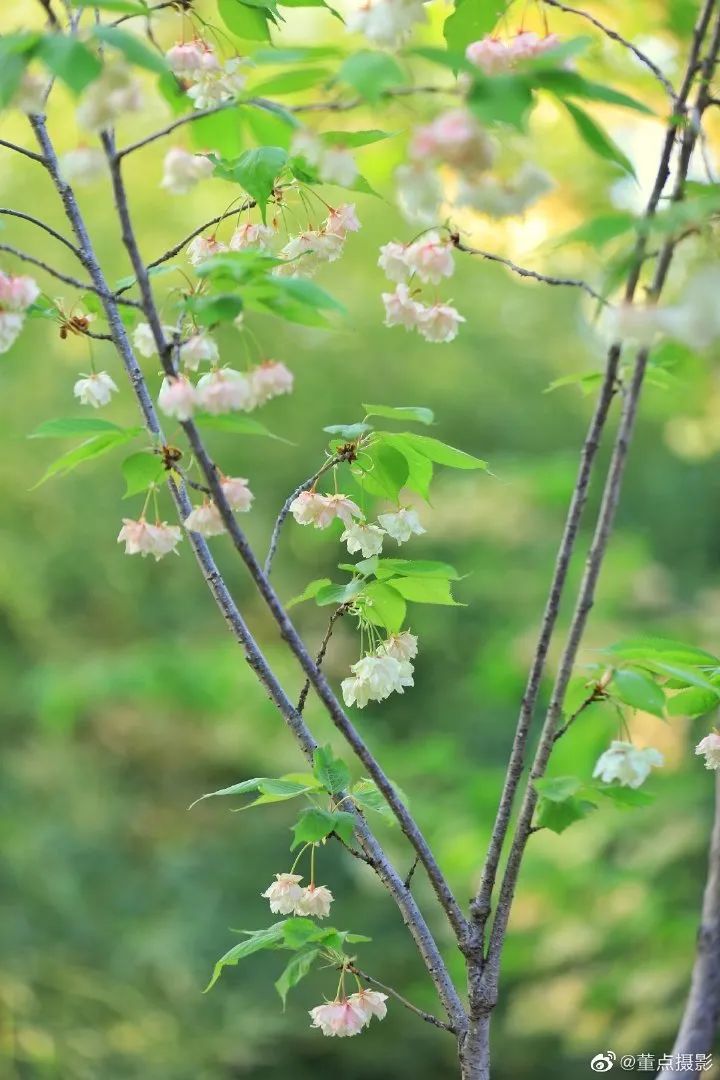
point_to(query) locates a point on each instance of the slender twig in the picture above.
(305, 486)
(22, 150)
(187, 118)
(595, 695)
(698, 1026)
(615, 36)
(67, 279)
(386, 872)
(177, 248)
(321, 654)
(42, 225)
(428, 1017)
(522, 271)
(51, 16)
(179, 5)
(409, 876)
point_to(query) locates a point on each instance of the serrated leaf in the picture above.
(560, 815)
(238, 267)
(384, 606)
(425, 590)
(625, 797)
(331, 771)
(91, 448)
(257, 170)
(296, 970)
(685, 676)
(255, 942)
(597, 139)
(385, 568)
(338, 594)
(382, 471)
(401, 412)
(638, 690)
(234, 789)
(132, 47)
(141, 471)
(368, 796)
(310, 591)
(211, 310)
(558, 788)
(70, 59)
(437, 451)
(691, 702)
(315, 824)
(655, 648)
(348, 431)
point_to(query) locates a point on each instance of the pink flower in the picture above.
(710, 748)
(311, 508)
(440, 322)
(205, 520)
(225, 390)
(431, 258)
(369, 1003)
(342, 220)
(337, 166)
(141, 538)
(251, 235)
(17, 292)
(402, 646)
(455, 138)
(490, 54)
(343, 508)
(315, 901)
(393, 260)
(338, 1018)
(95, 389)
(202, 247)
(284, 893)
(419, 192)
(198, 348)
(238, 494)
(190, 58)
(527, 44)
(177, 397)
(11, 324)
(269, 380)
(183, 170)
(401, 309)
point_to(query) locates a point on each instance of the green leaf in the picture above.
(142, 471)
(133, 48)
(299, 932)
(355, 139)
(271, 124)
(315, 824)
(257, 170)
(564, 83)
(655, 648)
(292, 299)
(234, 789)
(425, 590)
(284, 788)
(691, 702)
(211, 310)
(91, 448)
(384, 606)
(382, 471)
(437, 451)
(238, 267)
(560, 815)
(600, 230)
(385, 568)
(368, 796)
(68, 58)
(296, 970)
(235, 424)
(223, 131)
(248, 22)
(624, 797)
(503, 99)
(471, 20)
(558, 788)
(637, 690)
(331, 771)
(12, 68)
(685, 676)
(310, 592)
(371, 74)
(401, 412)
(72, 425)
(256, 940)
(338, 594)
(348, 431)
(121, 7)
(598, 140)
(420, 467)
(288, 82)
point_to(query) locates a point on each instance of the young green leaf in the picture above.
(257, 170)
(331, 771)
(383, 471)
(638, 690)
(288, 82)
(73, 425)
(348, 431)
(385, 568)
(471, 20)
(315, 824)
(368, 796)
(247, 22)
(338, 594)
(142, 471)
(211, 310)
(71, 60)
(133, 48)
(384, 606)
(691, 702)
(624, 797)
(296, 970)
(437, 451)
(559, 815)
(558, 788)
(355, 139)
(425, 590)
(401, 412)
(255, 941)
(655, 648)
(371, 74)
(310, 591)
(121, 7)
(234, 789)
(235, 424)
(91, 448)
(597, 139)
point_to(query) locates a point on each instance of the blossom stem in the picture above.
(426, 1016)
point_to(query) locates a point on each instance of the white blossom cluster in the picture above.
(17, 294)
(428, 260)
(207, 80)
(288, 897)
(349, 1015)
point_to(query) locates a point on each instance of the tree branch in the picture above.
(42, 225)
(22, 150)
(427, 1017)
(67, 279)
(522, 271)
(177, 248)
(305, 486)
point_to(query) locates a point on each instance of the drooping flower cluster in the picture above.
(207, 81)
(206, 519)
(115, 92)
(386, 22)
(183, 170)
(17, 294)
(494, 56)
(389, 669)
(709, 748)
(428, 260)
(312, 508)
(334, 162)
(142, 538)
(84, 165)
(627, 764)
(95, 389)
(288, 897)
(349, 1015)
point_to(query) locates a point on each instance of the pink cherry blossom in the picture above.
(526, 44)
(270, 379)
(284, 893)
(11, 323)
(344, 508)
(342, 220)
(338, 1018)
(225, 390)
(454, 138)
(238, 494)
(709, 747)
(177, 397)
(311, 508)
(202, 247)
(142, 538)
(251, 235)
(197, 349)
(17, 292)
(419, 192)
(205, 519)
(430, 257)
(393, 260)
(401, 309)
(490, 54)
(440, 322)
(183, 170)
(369, 1003)
(315, 901)
(337, 166)
(190, 57)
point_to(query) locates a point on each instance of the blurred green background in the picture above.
(124, 698)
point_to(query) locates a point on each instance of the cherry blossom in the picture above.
(84, 165)
(306, 251)
(526, 44)
(401, 309)
(11, 323)
(490, 54)
(386, 22)
(431, 258)
(402, 646)
(17, 292)
(338, 1018)
(183, 170)
(270, 379)
(191, 57)
(311, 508)
(215, 85)
(401, 524)
(627, 764)
(177, 397)
(342, 220)
(440, 322)
(238, 494)
(197, 349)
(315, 901)
(284, 893)
(710, 748)
(503, 198)
(367, 539)
(374, 678)
(225, 390)
(95, 389)
(202, 247)
(307, 145)
(369, 1003)
(142, 538)
(419, 192)
(144, 339)
(454, 138)
(205, 519)
(337, 166)
(251, 235)
(115, 92)
(393, 261)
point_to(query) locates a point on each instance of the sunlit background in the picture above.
(124, 697)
